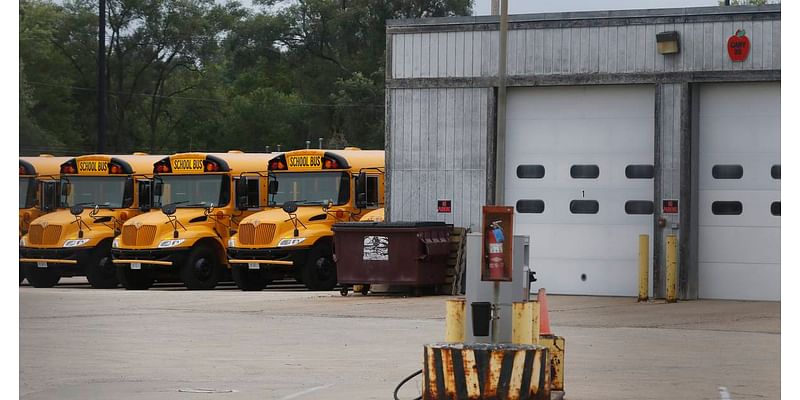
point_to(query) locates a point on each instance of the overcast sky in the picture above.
(483, 7)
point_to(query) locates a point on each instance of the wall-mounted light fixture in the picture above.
(668, 43)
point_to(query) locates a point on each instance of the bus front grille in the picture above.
(141, 236)
(46, 235)
(261, 234)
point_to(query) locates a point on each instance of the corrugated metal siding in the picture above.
(437, 151)
(605, 49)
(670, 138)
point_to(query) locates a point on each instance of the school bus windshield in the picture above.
(311, 188)
(195, 190)
(27, 192)
(104, 192)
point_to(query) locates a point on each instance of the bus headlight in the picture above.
(22, 242)
(170, 243)
(75, 242)
(290, 242)
(231, 242)
(115, 243)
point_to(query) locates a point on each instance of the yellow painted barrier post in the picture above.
(644, 270)
(454, 321)
(672, 267)
(535, 310)
(521, 329)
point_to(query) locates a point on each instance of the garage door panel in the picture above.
(621, 241)
(610, 202)
(584, 136)
(605, 278)
(756, 211)
(756, 171)
(720, 139)
(565, 102)
(564, 127)
(740, 281)
(743, 245)
(557, 172)
(739, 255)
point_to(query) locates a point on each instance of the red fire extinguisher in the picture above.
(496, 261)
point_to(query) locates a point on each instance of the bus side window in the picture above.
(372, 191)
(253, 193)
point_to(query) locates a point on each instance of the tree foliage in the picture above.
(200, 75)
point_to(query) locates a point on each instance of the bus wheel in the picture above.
(249, 279)
(22, 267)
(133, 279)
(319, 272)
(201, 269)
(42, 277)
(101, 271)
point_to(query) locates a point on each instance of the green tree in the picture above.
(198, 75)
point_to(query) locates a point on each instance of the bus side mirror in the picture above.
(272, 187)
(242, 200)
(361, 190)
(145, 195)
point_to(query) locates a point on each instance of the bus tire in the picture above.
(22, 267)
(134, 279)
(319, 271)
(249, 280)
(100, 270)
(201, 270)
(42, 277)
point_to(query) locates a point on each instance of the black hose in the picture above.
(403, 382)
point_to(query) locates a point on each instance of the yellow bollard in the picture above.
(535, 328)
(644, 270)
(672, 267)
(454, 321)
(521, 330)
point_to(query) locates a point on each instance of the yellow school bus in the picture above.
(38, 182)
(97, 193)
(185, 239)
(309, 191)
(32, 172)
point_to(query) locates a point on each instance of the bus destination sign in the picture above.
(305, 162)
(187, 165)
(93, 167)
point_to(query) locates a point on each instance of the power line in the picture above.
(207, 99)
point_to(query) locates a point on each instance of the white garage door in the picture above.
(579, 169)
(739, 191)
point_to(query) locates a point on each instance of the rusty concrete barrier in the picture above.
(486, 371)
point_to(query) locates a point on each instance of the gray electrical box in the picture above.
(482, 291)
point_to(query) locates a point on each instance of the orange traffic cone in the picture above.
(544, 314)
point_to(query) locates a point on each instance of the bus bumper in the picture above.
(267, 258)
(71, 261)
(150, 258)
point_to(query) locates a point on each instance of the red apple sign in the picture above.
(738, 46)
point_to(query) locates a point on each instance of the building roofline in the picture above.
(713, 11)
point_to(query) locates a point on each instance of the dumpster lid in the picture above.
(397, 224)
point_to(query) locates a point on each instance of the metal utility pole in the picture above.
(102, 117)
(500, 163)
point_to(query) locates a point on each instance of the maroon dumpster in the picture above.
(391, 253)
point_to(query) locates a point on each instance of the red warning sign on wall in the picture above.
(669, 206)
(444, 206)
